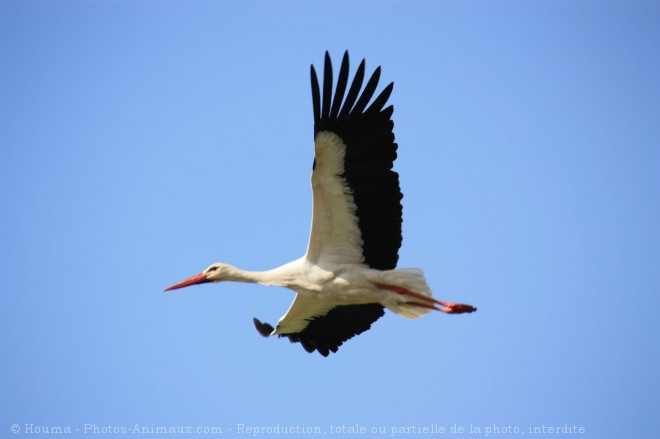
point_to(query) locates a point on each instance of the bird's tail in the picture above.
(409, 280)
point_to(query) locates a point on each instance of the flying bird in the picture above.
(348, 274)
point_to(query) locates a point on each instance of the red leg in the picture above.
(448, 307)
(424, 305)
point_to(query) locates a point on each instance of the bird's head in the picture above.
(214, 273)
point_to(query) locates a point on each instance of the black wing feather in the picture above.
(316, 95)
(341, 87)
(327, 332)
(367, 93)
(381, 100)
(353, 93)
(327, 87)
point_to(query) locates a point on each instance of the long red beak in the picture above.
(193, 280)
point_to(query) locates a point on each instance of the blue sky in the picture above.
(142, 141)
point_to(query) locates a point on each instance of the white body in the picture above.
(332, 273)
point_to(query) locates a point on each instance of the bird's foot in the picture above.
(457, 308)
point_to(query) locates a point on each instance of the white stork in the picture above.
(348, 276)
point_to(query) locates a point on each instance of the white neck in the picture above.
(269, 277)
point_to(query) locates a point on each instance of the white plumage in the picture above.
(348, 273)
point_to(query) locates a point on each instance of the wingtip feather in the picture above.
(264, 329)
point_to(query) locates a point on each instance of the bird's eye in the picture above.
(211, 269)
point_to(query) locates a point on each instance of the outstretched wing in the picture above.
(322, 326)
(357, 211)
